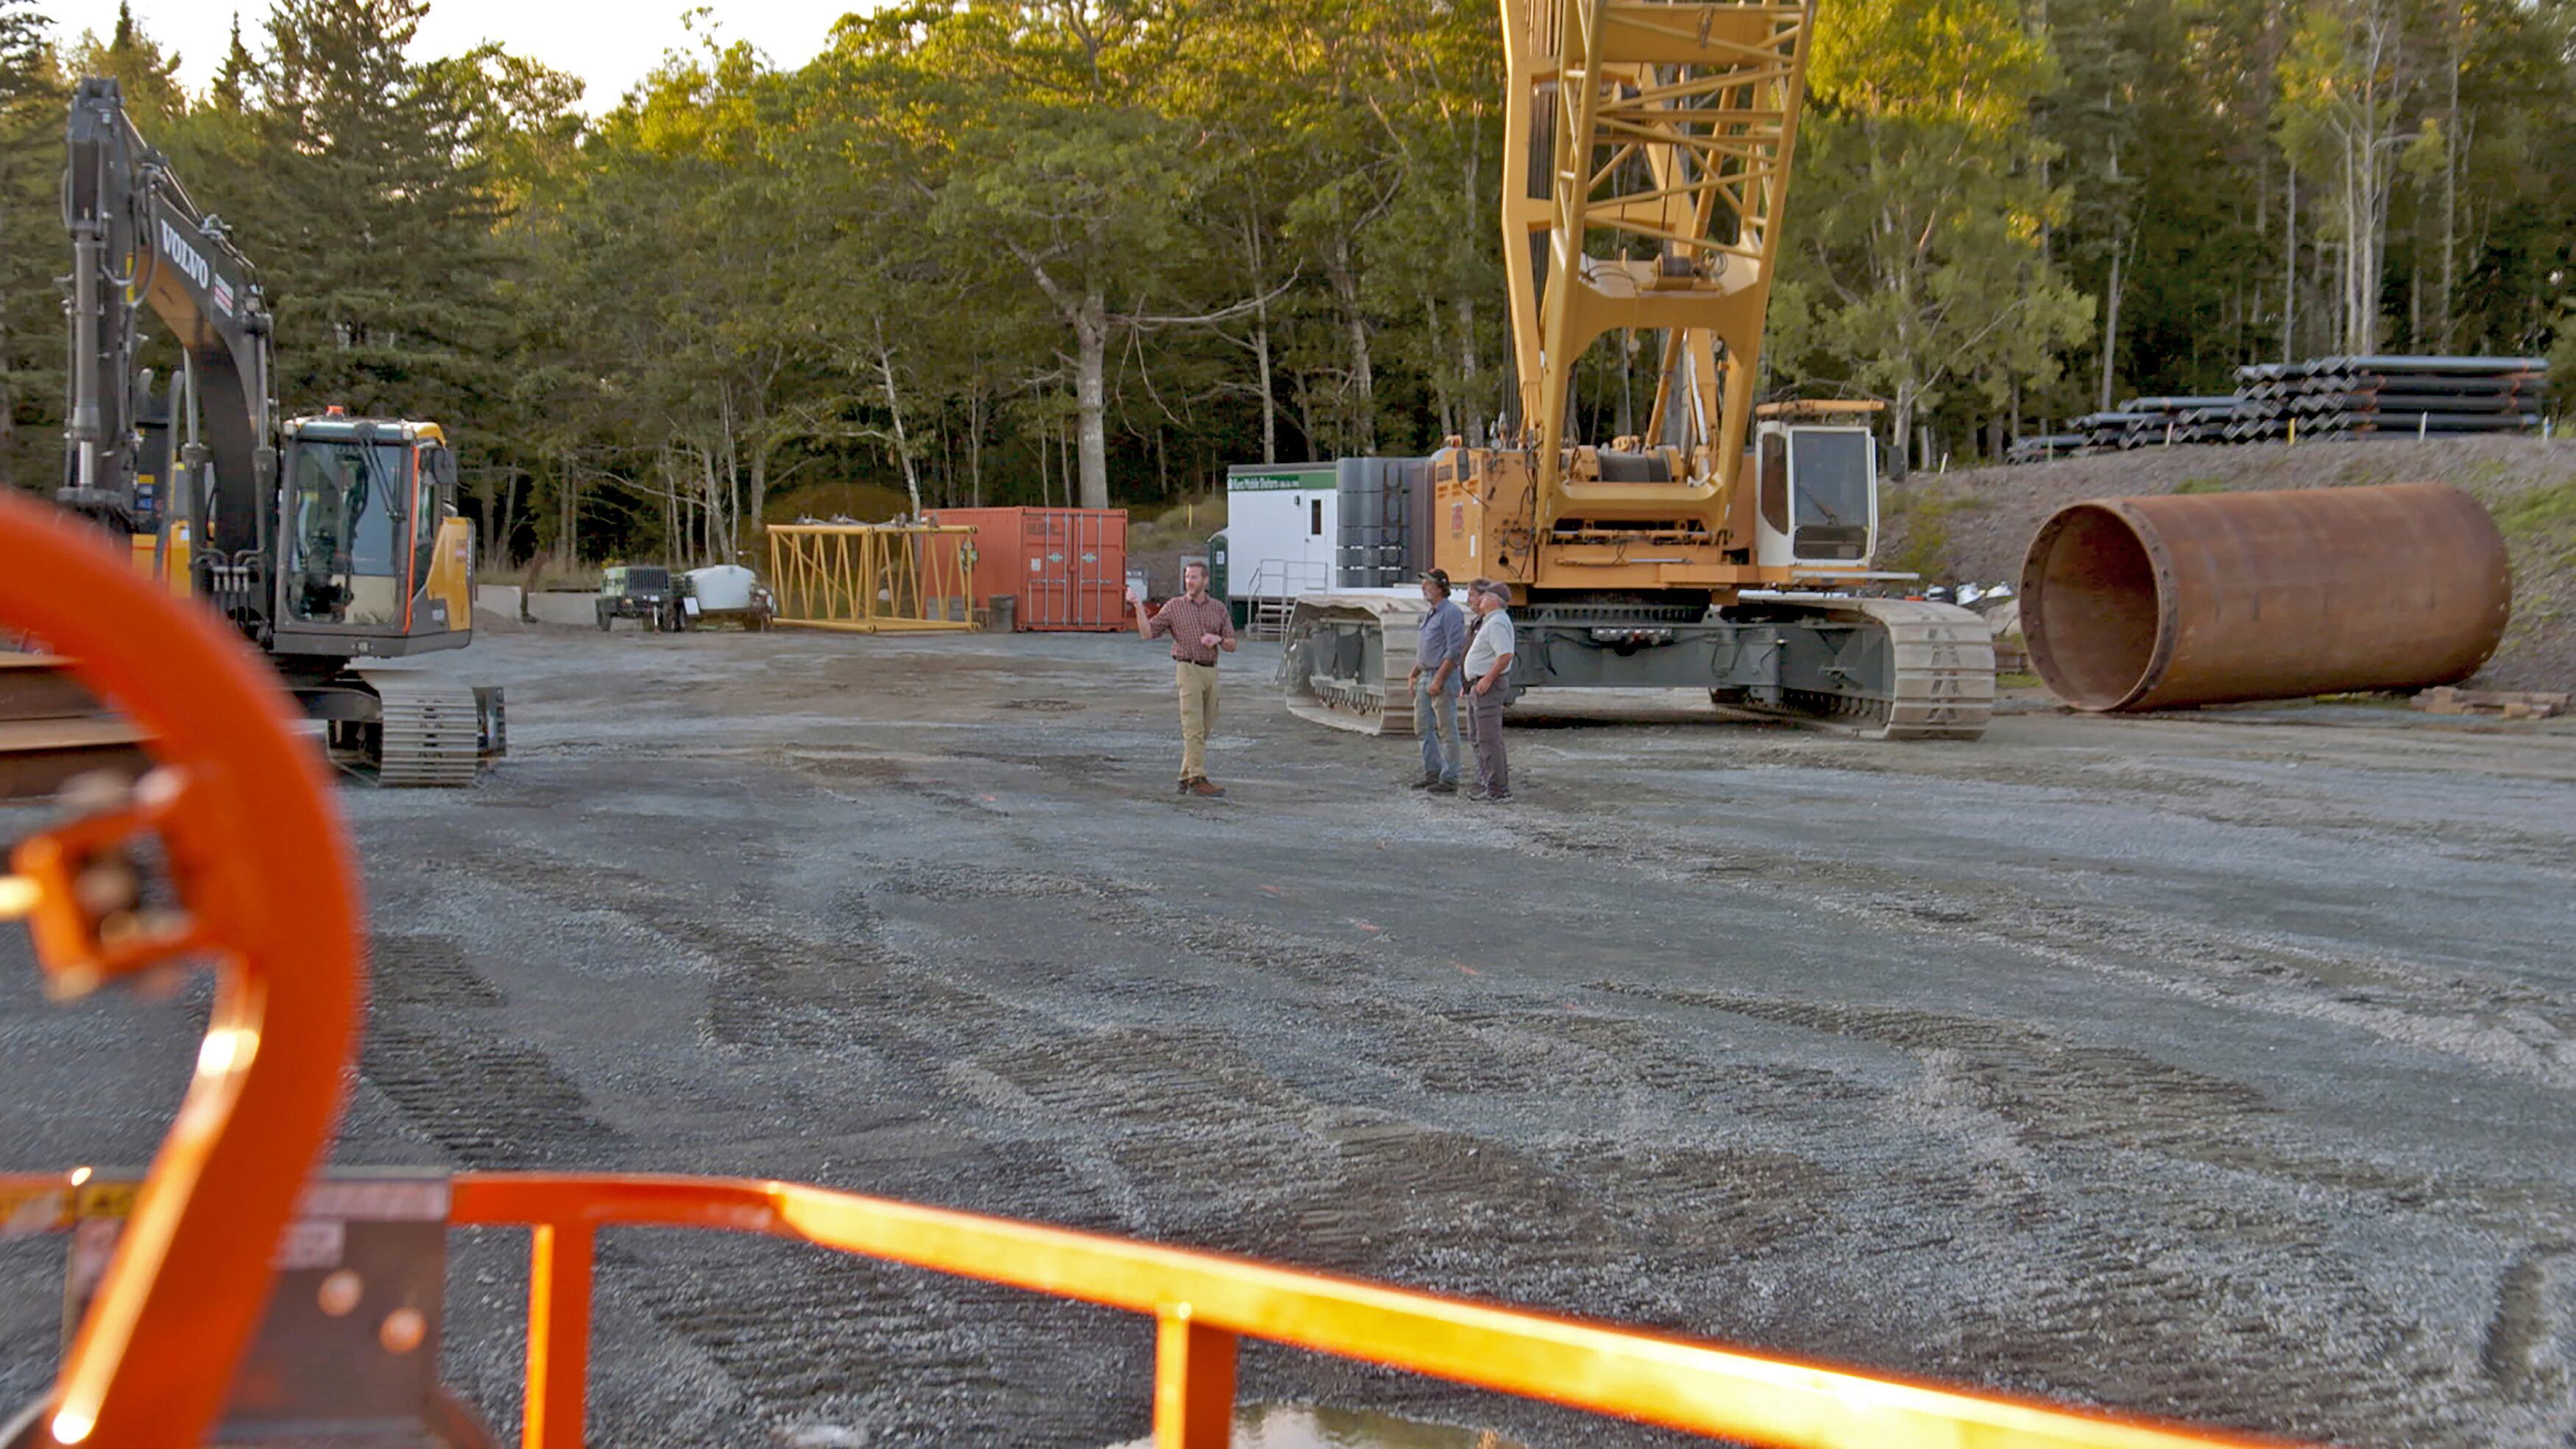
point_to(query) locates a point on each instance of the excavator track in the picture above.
(1346, 659)
(1908, 671)
(431, 735)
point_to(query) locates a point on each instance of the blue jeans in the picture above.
(1436, 716)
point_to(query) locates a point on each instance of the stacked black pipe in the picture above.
(2391, 396)
(2324, 397)
(2146, 422)
(2046, 446)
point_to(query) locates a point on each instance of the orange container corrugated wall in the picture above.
(1065, 567)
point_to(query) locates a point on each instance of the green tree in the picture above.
(368, 208)
(32, 249)
(1916, 227)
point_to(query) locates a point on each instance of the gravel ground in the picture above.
(2213, 1066)
(1977, 524)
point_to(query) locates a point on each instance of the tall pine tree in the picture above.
(32, 250)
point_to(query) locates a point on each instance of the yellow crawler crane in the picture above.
(1647, 156)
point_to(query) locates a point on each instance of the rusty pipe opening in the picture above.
(2090, 592)
(2184, 599)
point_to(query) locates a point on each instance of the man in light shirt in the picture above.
(1489, 668)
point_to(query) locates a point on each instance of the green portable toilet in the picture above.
(1216, 574)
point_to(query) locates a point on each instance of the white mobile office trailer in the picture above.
(1282, 530)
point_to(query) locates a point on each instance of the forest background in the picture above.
(1094, 251)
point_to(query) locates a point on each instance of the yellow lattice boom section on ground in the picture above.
(869, 578)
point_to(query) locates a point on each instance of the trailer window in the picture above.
(1315, 525)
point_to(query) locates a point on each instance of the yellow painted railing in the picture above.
(1203, 1303)
(870, 578)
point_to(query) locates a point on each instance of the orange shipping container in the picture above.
(1065, 567)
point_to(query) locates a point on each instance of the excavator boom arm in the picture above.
(139, 243)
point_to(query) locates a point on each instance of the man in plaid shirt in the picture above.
(1200, 628)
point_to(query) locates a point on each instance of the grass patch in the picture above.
(1926, 550)
(2204, 485)
(1184, 525)
(2017, 679)
(1919, 519)
(2542, 518)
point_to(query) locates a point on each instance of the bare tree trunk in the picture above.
(1901, 426)
(975, 447)
(496, 549)
(1627, 384)
(1443, 403)
(1269, 399)
(894, 408)
(2450, 191)
(2111, 320)
(1467, 370)
(1091, 397)
(1363, 387)
(2290, 268)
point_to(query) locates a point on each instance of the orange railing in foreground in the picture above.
(1202, 1303)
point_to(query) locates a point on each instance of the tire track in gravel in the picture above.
(2196, 1282)
(2495, 1023)
(821, 1337)
(435, 1049)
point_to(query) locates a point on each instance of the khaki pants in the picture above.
(1197, 686)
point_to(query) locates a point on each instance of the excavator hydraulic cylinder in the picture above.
(2184, 599)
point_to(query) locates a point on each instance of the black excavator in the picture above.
(333, 543)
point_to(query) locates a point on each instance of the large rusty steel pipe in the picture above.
(2183, 599)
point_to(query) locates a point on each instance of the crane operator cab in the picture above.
(376, 560)
(1816, 466)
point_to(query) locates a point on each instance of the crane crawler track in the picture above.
(1936, 681)
(1346, 659)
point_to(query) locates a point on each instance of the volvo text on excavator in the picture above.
(1647, 151)
(332, 542)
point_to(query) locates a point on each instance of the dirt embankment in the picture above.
(1976, 524)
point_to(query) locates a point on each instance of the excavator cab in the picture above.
(373, 556)
(1816, 478)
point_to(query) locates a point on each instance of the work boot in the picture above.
(1442, 787)
(1426, 781)
(1205, 788)
(1183, 787)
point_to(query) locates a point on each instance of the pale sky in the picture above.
(610, 46)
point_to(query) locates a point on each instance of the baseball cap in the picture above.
(1435, 576)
